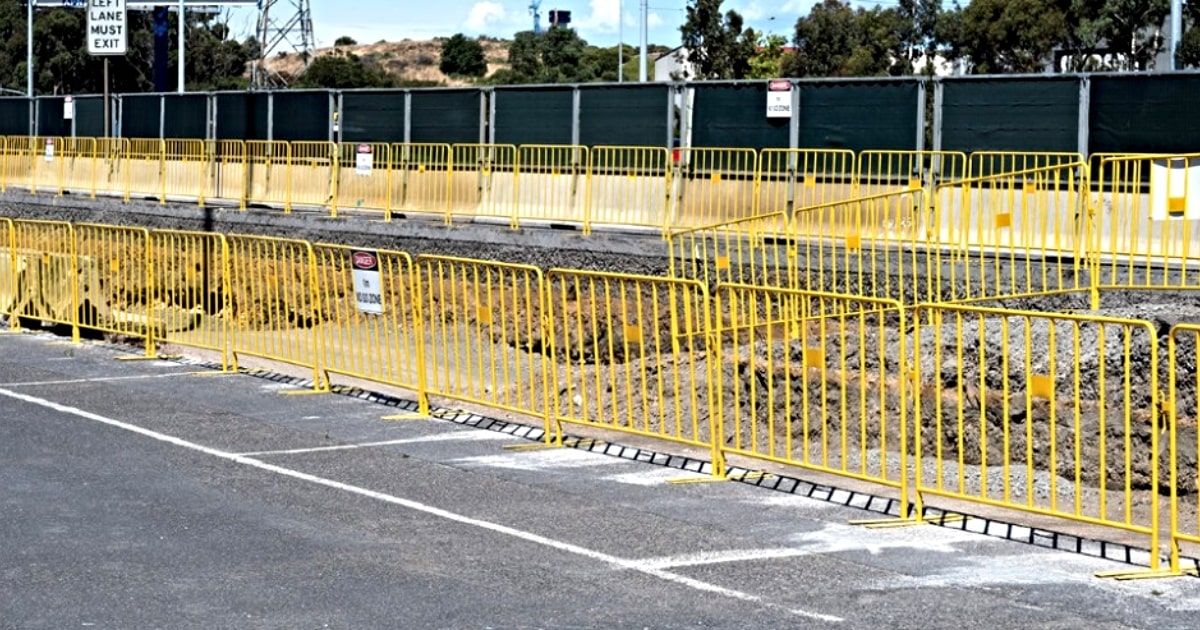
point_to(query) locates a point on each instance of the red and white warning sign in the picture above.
(364, 160)
(368, 289)
(779, 99)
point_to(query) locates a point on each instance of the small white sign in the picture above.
(68, 108)
(49, 149)
(107, 32)
(779, 99)
(364, 160)
(368, 289)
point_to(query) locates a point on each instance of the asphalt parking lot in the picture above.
(141, 495)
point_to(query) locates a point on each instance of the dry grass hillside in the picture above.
(408, 60)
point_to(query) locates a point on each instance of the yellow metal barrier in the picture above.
(790, 179)
(714, 185)
(754, 250)
(628, 354)
(115, 286)
(267, 172)
(190, 303)
(552, 184)
(19, 162)
(484, 181)
(1018, 233)
(1051, 414)
(108, 175)
(815, 380)
(484, 332)
(312, 177)
(47, 165)
(372, 329)
(226, 170)
(142, 166)
(185, 170)
(629, 186)
(8, 267)
(364, 172)
(421, 178)
(989, 163)
(872, 246)
(1144, 215)
(76, 159)
(1184, 468)
(892, 171)
(276, 306)
(45, 287)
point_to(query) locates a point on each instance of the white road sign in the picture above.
(107, 32)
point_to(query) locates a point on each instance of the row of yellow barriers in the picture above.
(1030, 232)
(514, 185)
(1059, 415)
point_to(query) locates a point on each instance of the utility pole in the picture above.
(620, 41)
(1176, 30)
(182, 47)
(29, 48)
(644, 25)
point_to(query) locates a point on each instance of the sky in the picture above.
(369, 21)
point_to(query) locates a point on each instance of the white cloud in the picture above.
(602, 16)
(653, 20)
(798, 7)
(483, 15)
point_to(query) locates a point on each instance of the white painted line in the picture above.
(541, 460)
(463, 436)
(622, 563)
(717, 557)
(104, 379)
(652, 477)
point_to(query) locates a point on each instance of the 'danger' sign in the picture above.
(106, 27)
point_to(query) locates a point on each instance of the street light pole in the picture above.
(29, 48)
(182, 48)
(620, 41)
(645, 26)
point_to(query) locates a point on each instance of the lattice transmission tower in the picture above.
(284, 26)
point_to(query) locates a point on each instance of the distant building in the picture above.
(673, 65)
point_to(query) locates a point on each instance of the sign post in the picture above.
(107, 35)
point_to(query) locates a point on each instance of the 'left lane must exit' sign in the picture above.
(106, 27)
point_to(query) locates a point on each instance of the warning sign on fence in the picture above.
(368, 289)
(364, 160)
(779, 99)
(49, 149)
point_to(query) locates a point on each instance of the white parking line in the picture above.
(463, 436)
(101, 379)
(717, 557)
(622, 563)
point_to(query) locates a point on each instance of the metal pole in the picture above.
(1176, 29)
(107, 113)
(645, 20)
(29, 48)
(620, 41)
(182, 48)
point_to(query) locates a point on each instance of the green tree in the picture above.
(998, 36)
(835, 39)
(462, 56)
(767, 61)
(215, 59)
(1187, 54)
(343, 71)
(345, 40)
(717, 44)
(556, 56)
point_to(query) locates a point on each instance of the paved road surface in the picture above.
(137, 495)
